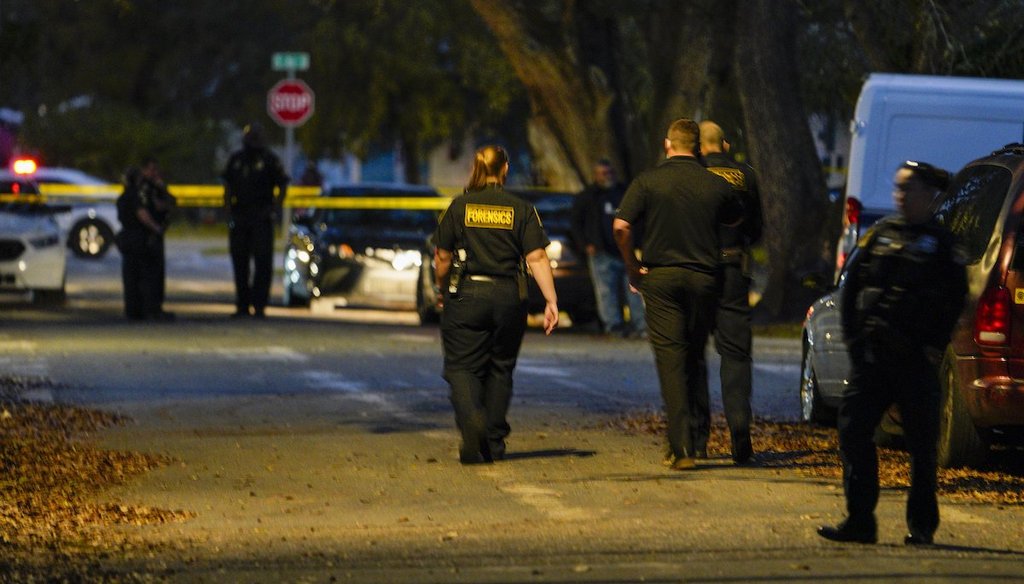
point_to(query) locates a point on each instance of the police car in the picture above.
(32, 245)
(90, 224)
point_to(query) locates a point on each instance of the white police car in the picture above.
(90, 224)
(32, 245)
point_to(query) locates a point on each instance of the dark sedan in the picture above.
(358, 257)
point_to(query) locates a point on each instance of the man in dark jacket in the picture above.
(250, 179)
(592, 217)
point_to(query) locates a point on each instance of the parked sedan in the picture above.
(983, 367)
(568, 265)
(32, 253)
(365, 257)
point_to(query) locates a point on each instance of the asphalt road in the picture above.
(321, 448)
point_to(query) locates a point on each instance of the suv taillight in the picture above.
(853, 207)
(992, 319)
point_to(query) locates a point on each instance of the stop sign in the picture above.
(290, 102)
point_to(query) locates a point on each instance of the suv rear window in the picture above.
(972, 207)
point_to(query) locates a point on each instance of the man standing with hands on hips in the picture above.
(679, 205)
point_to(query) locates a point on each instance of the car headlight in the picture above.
(45, 241)
(406, 259)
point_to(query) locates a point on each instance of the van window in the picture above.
(972, 207)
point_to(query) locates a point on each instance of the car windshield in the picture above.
(11, 190)
(555, 209)
(400, 219)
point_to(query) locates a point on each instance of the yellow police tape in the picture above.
(213, 196)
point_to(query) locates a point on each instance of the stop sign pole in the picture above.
(290, 101)
(290, 104)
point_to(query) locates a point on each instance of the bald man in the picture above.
(732, 319)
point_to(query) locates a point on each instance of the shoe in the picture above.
(742, 454)
(259, 314)
(846, 534)
(917, 539)
(468, 458)
(240, 314)
(165, 316)
(701, 454)
(683, 463)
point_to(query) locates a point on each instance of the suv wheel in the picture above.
(812, 408)
(960, 442)
(90, 238)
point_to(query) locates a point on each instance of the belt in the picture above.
(732, 252)
(486, 278)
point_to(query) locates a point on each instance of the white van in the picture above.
(945, 121)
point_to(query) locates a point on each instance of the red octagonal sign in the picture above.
(290, 102)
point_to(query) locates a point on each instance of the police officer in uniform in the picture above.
(482, 240)
(903, 293)
(143, 210)
(250, 178)
(679, 205)
(732, 320)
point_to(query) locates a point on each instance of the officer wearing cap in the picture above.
(482, 241)
(732, 332)
(903, 292)
(250, 178)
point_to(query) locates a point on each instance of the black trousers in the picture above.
(680, 307)
(251, 239)
(880, 378)
(733, 343)
(143, 271)
(482, 329)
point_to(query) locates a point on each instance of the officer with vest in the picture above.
(732, 319)
(143, 210)
(250, 179)
(482, 241)
(903, 292)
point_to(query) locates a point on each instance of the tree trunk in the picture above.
(797, 234)
(569, 100)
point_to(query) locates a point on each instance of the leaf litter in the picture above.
(814, 451)
(50, 473)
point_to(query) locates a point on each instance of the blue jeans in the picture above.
(608, 273)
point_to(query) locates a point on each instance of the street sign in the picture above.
(289, 61)
(290, 102)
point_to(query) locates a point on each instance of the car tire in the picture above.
(960, 441)
(427, 312)
(90, 238)
(813, 409)
(50, 297)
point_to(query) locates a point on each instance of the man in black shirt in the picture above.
(679, 205)
(732, 321)
(592, 215)
(250, 178)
